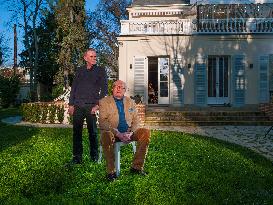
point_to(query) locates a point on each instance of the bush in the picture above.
(52, 113)
(42, 112)
(110, 86)
(9, 89)
(57, 91)
(60, 113)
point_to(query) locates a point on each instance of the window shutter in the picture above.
(200, 81)
(139, 76)
(270, 71)
(239, 80)
(263, 79)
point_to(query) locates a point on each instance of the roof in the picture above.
(158, 2)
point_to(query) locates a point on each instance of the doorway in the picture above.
(218, 81)
(158, 80)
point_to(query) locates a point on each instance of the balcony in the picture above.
(156, 27)
(204, 26)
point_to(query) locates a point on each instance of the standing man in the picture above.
(88, 87)
(118, 121)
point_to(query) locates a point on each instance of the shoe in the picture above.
(95, 160)
(112, 177)
(74, 161)
(139, 172)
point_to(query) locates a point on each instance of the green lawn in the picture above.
(183, 169)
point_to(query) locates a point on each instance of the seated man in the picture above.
(118, 121)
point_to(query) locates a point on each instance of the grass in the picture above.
(183, 169)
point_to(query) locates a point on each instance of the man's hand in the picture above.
(71, 110)
(94, 109)
(125, 137)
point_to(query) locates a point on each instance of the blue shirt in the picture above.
(122, 125)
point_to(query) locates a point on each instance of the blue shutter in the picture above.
(270, 71)
(200, 82)
(263, 80)
(239, 80)
(139, 76)
(178, 84)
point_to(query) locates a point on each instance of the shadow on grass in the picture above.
(183, 169)
(11, 135)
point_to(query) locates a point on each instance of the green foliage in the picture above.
(57, 90)
(42, 112)
(3, 49)
(110, 86)
(60, 113)
(47, 65)
(52, 113)
(104, 28)
(183, 169)
(9, 89)
(72, 35)
(36, 113)
(70, 119)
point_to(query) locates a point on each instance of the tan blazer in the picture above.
(109, 117)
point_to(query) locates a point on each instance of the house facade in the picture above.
(198, 53)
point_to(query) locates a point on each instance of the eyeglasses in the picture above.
(119, 87)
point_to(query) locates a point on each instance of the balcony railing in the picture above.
(204, 26)
(156, 27)
(251, 25)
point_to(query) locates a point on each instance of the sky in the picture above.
(7, 30)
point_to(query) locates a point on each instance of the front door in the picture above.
(218, 80)
(163, 80)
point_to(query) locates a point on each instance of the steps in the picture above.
(207, 117)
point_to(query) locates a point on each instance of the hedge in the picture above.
(44, 112)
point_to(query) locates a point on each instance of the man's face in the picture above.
(91, 58)
(119, 89)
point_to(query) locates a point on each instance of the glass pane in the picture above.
(163, 77)
(226, 77)
(164, 66)
(214, 77)
(221, 79)
(164, 89)
(210, 77)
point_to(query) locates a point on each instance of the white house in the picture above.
(198, 53)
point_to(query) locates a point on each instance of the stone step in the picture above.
(208, 123)
(207, 118)
(205, 113)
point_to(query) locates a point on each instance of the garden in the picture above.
(183, 169)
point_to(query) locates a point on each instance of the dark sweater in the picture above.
(89, 86)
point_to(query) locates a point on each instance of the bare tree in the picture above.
(27, 13)
(104, 27)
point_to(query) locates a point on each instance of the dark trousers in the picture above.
(80, 113)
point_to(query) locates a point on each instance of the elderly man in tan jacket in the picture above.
(118, 121)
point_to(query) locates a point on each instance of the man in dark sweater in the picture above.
(88, 87)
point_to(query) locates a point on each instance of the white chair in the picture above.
(117, 154)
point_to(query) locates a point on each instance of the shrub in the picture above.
(9, 89)
(52, 113)
(57, 91)
(42, 112)
(110, 86)
(60, 113)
